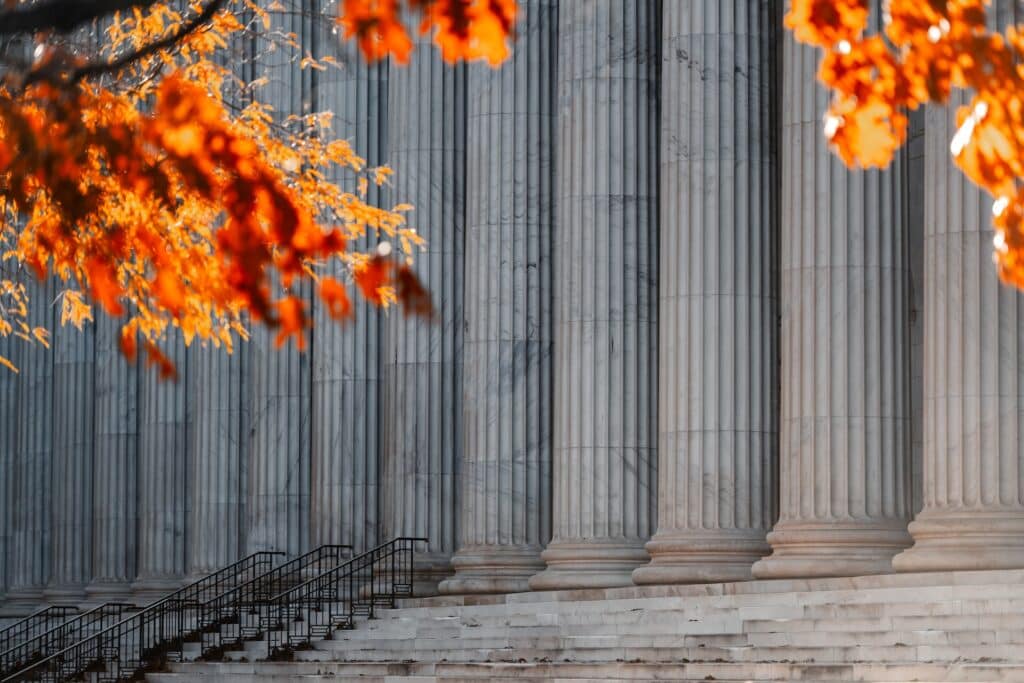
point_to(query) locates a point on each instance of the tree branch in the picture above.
(99, 68)
(62, 16)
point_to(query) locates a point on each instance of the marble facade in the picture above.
(676, 341)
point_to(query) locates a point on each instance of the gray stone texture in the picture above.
(217, 474)
(163, 491)
(422, 365)
(115, 470)
(346, 357)
(717, 314)
(279, 378)
(973, 515)
(73, 442)
(845, 490)
(505, 477)
(605, 320)
(33, 458)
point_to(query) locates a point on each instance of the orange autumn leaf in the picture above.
(930, 48)
(462, 29)
(373, 277)
(333, 293)
(165, 192)
(155, 358)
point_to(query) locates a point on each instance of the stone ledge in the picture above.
(914, 580)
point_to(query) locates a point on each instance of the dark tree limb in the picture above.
(62, 16)
(99, 68)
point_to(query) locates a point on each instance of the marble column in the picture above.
(217, 386)
(845, 408)
(605, 320)
(163, 476)
(422, 366)
(505, 475)
(8, 448)
(717, 315)
(279, 466)
(279, 378)
(31, 527)
(115, 474)
(73, 441)
(346, 356)
(973, 516)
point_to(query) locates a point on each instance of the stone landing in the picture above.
(962, 626)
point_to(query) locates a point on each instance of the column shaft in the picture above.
(506, 467)
(346, 357)
(973, 516)
(605, 321)
(163, 476)
(218, 388)
(115, 475)
(845, 425)
(73, 432)
(8, 448)
(422, 369)
(30, 542)
(717, 309)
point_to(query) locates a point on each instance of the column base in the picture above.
(592, 563)
(65, 594)
(822, 549)
(493, 569)
(99, 592)
(147, 591)
(953, 540)
(701, 556)
(429, 570)
(22, 602)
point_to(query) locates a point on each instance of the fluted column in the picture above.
(422, 367)
(216, 477)
(717, 425)
(115, 474)
(506, 467)
(278, 506)
(30, 539)
(346, 357)
(973, 516)
(163, 476)
(279, 378)
(8, 448)
(845, 410)
(605, 321)
(73, 433)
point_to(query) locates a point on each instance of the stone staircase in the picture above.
(964, 626)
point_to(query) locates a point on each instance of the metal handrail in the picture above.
(34, 624)
(130, 644)
(59, 637)
(214, 617)
(316, 608)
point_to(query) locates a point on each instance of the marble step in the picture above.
(669, 652)
(308, 672)
(978, 597)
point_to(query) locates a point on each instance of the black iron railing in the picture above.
(141, 640)
(34, 625)
(225, 621)
(313, 610)
(61, 636)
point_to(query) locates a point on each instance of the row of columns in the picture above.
(626, 381)
(800, 467)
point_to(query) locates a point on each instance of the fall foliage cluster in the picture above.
(153, 182)
(926, 49)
